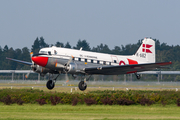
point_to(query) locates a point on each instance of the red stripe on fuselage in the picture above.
(42, 61)
(131, 62)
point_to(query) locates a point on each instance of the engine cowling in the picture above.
(74, 68)
(41, 70)
(71, 68)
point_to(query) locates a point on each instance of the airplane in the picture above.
(57, 60)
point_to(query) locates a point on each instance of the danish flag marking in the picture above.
(145, 48)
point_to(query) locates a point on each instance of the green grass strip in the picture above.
(80, 112)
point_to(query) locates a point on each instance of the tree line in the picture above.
(164, 52)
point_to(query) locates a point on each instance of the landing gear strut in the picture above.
(51, 83)
(138, 76)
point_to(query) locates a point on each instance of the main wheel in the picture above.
(138, 76)
(82, 85)
(50, 84)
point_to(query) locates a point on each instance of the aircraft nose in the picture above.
(42, 61)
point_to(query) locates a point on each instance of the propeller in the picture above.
(66, 69)
(66, 66)
(27, 75)
(66, 78)
(69, 61)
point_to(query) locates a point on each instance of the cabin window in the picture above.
(85, 60)
(73, 58)
(91, 61)
(55, 52)
(104, 62)
(98, 62)
(79, 59)
(115, 61)
(109, 63)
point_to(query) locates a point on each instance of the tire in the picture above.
(138, 77)
(82, 85)
(50, 84)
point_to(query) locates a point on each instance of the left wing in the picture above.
(124, 69)
(20, 61)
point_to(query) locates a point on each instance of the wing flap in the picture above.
(124, 69)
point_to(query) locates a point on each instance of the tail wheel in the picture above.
(82, 85)
(50, 84)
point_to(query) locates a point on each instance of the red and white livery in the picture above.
(57, 60)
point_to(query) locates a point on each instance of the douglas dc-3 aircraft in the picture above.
(57, 60)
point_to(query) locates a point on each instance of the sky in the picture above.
(111, 22)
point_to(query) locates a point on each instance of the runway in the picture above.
(93, 85)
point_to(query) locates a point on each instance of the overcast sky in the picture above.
(111, 22)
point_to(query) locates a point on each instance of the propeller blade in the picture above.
(66, 78)
(70, 60)
(27, 75)
(66, 67)
(31, 54)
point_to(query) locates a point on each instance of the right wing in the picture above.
(20, 61)
(124, 69)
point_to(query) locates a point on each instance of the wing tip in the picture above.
(8, 58)
(165, 63)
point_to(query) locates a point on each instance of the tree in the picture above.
(59, 44)
(42, 44)
(0, 50)
(18, 54)
(67, 45)
(36, 46)
(26, 54)
(106, 49)
(83, 44)
(5, 48)
(116, 50)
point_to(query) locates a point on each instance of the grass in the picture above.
(34, 111)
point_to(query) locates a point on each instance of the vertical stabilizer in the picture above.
(146, 52)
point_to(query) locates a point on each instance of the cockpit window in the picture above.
(49, 52)
(43, 52)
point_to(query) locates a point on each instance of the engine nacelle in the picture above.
(74, 68)
(71, 68)
(39, 69)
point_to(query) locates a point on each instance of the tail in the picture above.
(146, 52)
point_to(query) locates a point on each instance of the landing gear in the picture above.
(138, 76)
(82, 85)
(51, 83)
